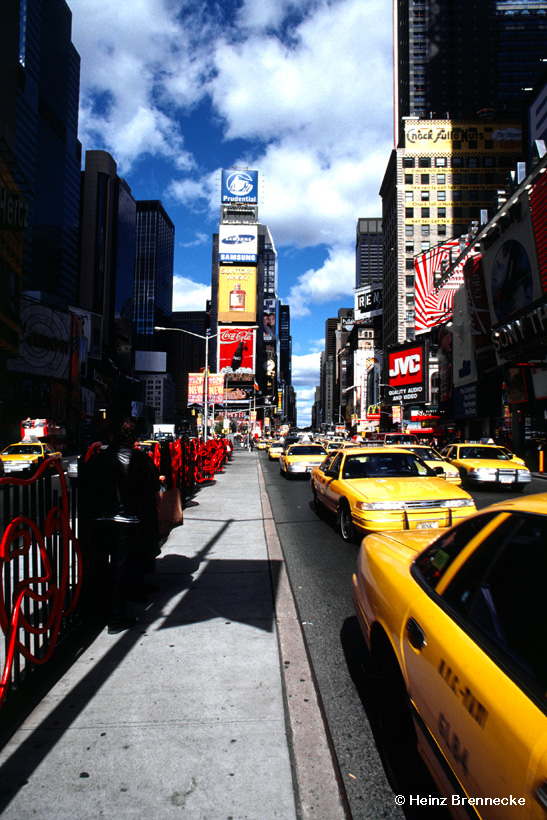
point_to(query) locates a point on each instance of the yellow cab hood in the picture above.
(403, 489)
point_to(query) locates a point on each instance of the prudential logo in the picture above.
(240, 184)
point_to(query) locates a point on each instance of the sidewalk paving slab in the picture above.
(183, 715)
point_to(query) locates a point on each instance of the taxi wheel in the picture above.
(345, 524)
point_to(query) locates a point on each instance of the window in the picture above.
(441, 196)
(409, 247)
(425, 162)
(500, 591)
(441, 179)
(409, 179)
(409, 213)
(409, 264)
(409, 196)
(409, 230)
(441, 230)
(409, 281)
(424, 179)
(433, 563)
(408, 162)
(425, 246)
(425, 196)
(441, 213)
(425, 230)
(440, 162)
(425, 213)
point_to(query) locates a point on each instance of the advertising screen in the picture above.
(408, 373)
(236, 350)
(238, 243)
(239, 186)
(236, 293)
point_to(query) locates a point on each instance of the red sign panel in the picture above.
(236, 350)
(406, 366)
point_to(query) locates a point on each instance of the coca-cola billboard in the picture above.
(236, 350)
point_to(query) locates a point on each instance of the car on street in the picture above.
(25, 457)
(275, 449)
(455, 625)
(299, 459)
(434, 459)
(385, 488)
(482, 465)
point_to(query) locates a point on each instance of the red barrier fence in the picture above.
(41, 560)
(41, 565)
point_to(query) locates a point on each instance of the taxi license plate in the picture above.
(506, 479)
(427, 525)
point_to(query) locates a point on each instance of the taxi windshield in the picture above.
(307, 450)
(22, 450)
(384, 465)
(484, 452)
(427, 453)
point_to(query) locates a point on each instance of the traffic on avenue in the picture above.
(427, 633)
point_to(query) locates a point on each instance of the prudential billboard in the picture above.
(240, 186)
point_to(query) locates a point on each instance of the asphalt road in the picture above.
(374, 764)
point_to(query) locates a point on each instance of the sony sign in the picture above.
(408, 373)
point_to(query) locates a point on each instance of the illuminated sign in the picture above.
(236, 350)
(238, 243)
(239, 186)
(452, 137)
(236, 293)
(408, 373)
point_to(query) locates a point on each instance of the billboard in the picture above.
(510, 264)
(237, 293)
(434, 304)
(236, 350)
(368, 302)
(239, 186)
(215, 388)
(408, 372)
(456, 137)
(238, 243)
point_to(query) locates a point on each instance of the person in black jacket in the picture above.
(119, 486)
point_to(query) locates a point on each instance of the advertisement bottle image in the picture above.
(237, 298)
(237, 357)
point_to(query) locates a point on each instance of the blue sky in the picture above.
(300, 90)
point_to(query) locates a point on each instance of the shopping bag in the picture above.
(169, 507)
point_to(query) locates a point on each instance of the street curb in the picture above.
(319, 788)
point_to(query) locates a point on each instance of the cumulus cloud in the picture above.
(335, 280)
(189, 295)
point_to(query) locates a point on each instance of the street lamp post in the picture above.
(206, 375)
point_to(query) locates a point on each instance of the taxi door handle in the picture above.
(415, 634)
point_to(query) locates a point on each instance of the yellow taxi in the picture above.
(434, 459)
(274, 450)
(386, 488)
(485, 464)
(455, 624)
(26, 457)
(299, 459)
(261, 444)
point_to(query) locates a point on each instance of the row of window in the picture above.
(454, 162)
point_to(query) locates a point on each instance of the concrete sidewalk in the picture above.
(186, 714)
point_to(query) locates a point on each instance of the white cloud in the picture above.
(305, 370)
(189, 295)
(335, 280)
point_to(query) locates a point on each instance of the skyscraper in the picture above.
(47, 148)
(153, 294)
(368, 252)
(456, 59)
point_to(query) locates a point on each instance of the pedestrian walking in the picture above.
(119, 486)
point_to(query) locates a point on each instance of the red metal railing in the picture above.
(41, 566)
